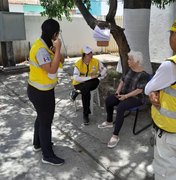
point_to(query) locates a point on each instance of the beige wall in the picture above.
(75, 35)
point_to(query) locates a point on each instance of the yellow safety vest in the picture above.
(87, 70)
(165, 117)
(38, 77)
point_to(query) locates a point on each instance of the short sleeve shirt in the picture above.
(134, 80)
(43, 56)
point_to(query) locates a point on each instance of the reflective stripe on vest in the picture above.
(33, 63)
(170, 114)
(170, 91)
(38, 77)
(167, 113)
(86, 70)
(165, 117)
(43, 87)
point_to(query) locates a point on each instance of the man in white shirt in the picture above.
(162, 93)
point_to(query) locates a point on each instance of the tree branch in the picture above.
(91, 21)
(112, 11)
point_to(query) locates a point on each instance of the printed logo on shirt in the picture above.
(46, 59)
(94, 68)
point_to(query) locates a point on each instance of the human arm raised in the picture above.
(52, 66)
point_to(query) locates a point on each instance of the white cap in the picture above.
(86, 49)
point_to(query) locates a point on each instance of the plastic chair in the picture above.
(93, 93)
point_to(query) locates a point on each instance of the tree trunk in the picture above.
(7, 47)
(116, 31)
(136, 24)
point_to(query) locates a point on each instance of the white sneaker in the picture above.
(105, 125)
(113, 141)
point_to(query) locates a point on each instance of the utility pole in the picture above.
(6, 47)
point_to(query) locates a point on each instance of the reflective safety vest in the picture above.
(38, 77)
(87, 70)
(165, 117)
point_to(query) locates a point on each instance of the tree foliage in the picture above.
(59, 8)
(162, 3)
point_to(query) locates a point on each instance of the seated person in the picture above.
(129, 94)
(87, 73)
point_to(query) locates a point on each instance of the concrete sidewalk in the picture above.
(84, 148)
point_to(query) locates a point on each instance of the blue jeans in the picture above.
(121, 107)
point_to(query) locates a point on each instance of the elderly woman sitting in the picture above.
(129, 94)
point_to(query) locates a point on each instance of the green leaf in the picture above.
(59, 8)
(162, 3)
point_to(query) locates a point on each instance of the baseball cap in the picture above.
(173, 27)
(86, 49)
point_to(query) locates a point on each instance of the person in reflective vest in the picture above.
(44, 59)
(87, 73)
(162, 93)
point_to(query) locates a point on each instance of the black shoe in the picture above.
(53, 161)
(86, 119)
(74, 94)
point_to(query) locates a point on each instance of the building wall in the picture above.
(96, 7)
(77, 33)
(105, 8)
(160, 22)
(24, 1)
(74, 36)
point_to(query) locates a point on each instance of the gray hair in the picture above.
(137, 56)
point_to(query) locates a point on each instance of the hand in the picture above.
(154, 99)
(94, 76)
(52, 48)
(56, 45)
(117, 92)
(117, 95)
(122, 97)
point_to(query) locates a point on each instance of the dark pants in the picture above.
(85, 89)
(44, 103)
(121, 107)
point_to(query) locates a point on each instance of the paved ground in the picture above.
(83, 147)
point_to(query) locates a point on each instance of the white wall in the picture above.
(16, 8)
(160, 22)
(105, 8)
(75, 34)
